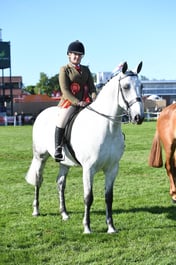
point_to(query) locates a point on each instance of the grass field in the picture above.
(143, 212)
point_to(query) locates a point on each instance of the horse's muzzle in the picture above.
(138, 119)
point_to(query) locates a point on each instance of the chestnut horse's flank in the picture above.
(165, 136)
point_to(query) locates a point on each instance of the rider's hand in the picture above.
(82, 103)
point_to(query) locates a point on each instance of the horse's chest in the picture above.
(112, 148)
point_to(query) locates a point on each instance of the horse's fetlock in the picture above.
(35, 203)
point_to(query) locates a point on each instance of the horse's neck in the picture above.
(107, 100)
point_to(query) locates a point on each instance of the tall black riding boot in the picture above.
(59, 133)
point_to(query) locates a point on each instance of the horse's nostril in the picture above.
(138, 119)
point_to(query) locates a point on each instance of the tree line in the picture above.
(45, 85)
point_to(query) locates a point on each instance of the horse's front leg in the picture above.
(109, 218)
(61, 184)
(110, 177)
(88, 200)
(36, 211)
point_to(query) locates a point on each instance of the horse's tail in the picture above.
(155, 156)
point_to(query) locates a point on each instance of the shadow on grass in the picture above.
(169, 211)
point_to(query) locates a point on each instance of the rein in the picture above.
(112, 118)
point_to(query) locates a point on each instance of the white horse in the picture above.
(96, 138)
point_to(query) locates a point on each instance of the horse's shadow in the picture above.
(170, 211)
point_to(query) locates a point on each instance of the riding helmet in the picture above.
(76, 47)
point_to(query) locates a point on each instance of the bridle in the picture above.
(131, 102)
(128, 104)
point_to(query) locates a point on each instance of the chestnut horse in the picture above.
(165, 136)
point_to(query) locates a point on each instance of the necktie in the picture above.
(78, 68)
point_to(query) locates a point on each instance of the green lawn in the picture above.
(143, 212)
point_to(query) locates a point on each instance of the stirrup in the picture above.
(58, 154)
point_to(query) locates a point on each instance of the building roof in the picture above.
(14, 79)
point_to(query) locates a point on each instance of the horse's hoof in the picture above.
(87, 230)
(35, 214)
(112, 230)
(65, 217)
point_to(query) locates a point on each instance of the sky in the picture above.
(112, 31)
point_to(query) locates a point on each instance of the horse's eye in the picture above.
(127, 86)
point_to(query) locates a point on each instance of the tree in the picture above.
(45, 85)
(42, 85)
(30, 89)
(53, 84)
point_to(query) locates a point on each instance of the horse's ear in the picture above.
(125, 67)
(138, 69)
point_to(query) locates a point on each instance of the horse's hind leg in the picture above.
(34, 176)
(36, 211)
(61, 183)
(171, 180)
(170, 166)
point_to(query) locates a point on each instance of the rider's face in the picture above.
(75, 58)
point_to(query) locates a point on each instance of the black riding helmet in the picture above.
(76, 47)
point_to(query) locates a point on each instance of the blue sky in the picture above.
(112, 31)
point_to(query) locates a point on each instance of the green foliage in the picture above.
(45, 85)
(42, 85)
(30, 89)
(143, 213)
(53, 84)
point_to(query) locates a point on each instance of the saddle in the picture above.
(67, 134)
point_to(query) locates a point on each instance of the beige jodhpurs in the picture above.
(63, 116)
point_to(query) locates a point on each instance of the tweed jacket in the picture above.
(69, 76)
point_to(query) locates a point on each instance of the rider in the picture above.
(77, 88)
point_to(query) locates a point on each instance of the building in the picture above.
(166, 89)
(33, 104)
(10, 87)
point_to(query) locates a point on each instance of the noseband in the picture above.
(131, 102)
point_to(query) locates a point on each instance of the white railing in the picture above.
(151, 115)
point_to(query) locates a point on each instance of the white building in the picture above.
(165, 89)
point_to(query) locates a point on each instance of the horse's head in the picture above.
(130, 96)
